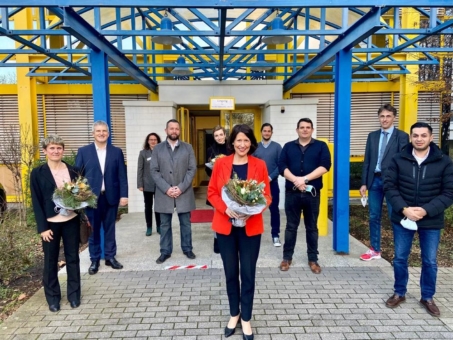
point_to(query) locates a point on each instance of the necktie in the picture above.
(382, 148)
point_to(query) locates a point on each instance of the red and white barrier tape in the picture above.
(192, 266)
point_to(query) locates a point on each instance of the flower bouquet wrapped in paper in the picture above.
(245, 197)
(211, 163)
(75, 195)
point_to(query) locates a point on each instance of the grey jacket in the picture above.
(144, 179)
(173, 168)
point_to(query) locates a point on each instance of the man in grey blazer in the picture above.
(381, 146)
(173, 167)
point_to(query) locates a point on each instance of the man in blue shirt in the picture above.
(269, 151)
(381, 146)
(303, 162)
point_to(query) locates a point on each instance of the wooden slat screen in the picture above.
(9, 117)
(363, 116)
(71, 117)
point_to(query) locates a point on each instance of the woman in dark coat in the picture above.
(218, 148)
(44, 180)
(146, 183)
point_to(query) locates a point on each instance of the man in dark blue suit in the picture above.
(103, 165)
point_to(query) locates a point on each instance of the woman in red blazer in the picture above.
(239, 246)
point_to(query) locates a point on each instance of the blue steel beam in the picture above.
(41, 50)
(36, 36)
(230, 65)
(234, 52)
(408, 43)
(365, 26)
(342, 140)
(222, 24)
(226, 4)
(79, 28)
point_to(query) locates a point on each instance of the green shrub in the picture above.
(19, 244)
(449, 217)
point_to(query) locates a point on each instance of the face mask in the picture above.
(364, 200)
(409, 224)
(311, 189)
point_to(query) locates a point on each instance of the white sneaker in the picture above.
(276, 241)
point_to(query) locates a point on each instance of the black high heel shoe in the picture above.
(246, 336)
(230, 331)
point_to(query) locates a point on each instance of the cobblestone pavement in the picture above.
(145, 301)
(340, 303)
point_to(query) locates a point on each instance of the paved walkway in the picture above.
(146, 301)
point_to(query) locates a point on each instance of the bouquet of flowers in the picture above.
(211, 163)
(245, 197)
(74, 195)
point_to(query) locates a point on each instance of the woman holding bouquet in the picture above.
(239, 246)
(146, 183)
(218, 148)
(44, 180)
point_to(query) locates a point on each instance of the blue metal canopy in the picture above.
(221, 39)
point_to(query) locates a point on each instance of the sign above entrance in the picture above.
(221, 103)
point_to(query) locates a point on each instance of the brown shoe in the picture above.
(430, 307)
(284, 266)
(394, 301)
(314, 266)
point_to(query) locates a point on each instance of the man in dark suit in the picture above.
(103, 165)
(381, 146)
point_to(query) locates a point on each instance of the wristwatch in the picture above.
(306, 180)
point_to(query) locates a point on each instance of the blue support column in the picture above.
(342, 128)
(101, 90)
(101, 99)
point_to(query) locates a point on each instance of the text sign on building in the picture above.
(221, 103)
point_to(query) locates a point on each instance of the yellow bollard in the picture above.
(323, 220)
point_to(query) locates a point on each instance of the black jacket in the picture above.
(213, 151)
(42, 186)
(429, 185)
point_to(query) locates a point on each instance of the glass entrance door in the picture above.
(250, 117)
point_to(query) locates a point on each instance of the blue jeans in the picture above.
(166, 235)
(429, 243)
(375, 200)
(273, 208)
(295, 204)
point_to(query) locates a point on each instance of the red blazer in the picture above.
(221, 174)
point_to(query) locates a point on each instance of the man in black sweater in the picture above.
(303, 162)
(419, 186)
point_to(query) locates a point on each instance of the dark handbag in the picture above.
(85, 228)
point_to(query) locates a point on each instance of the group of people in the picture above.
(103, 166)
(415, 178)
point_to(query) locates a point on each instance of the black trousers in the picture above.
(295, 204)
(70, 233)
(239, 254)
(149, 199)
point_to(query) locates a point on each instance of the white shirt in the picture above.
(102, 154)
(420, 159)
(173, 146)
